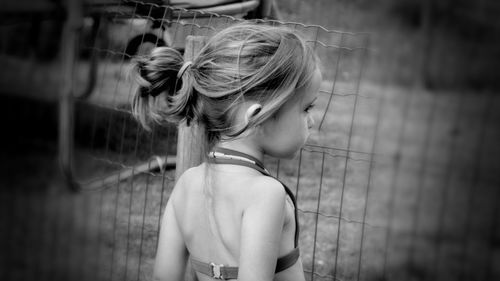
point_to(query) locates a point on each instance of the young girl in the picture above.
(251, 88)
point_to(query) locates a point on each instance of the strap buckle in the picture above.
(217, 271)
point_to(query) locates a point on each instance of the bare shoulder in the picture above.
(266, 189)
(191, 173)
(186, 181)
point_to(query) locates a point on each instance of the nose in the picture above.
(310, 122)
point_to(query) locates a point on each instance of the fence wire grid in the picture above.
(394, 184)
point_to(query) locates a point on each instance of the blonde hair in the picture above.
(244, 62)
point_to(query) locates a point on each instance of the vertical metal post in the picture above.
(66, 101)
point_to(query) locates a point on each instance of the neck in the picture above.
(244, 148)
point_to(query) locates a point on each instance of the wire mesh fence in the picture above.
(394, 183)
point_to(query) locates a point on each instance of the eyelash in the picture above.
(309, 107)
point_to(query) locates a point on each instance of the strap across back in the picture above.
(219, 271)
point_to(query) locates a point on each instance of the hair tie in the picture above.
(183, 69)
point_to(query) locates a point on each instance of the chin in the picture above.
(286, 151)
(288, 155)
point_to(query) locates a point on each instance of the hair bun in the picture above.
(158, 72)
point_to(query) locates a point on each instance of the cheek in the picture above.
(268, 128)
(306, 122)
(298, 130)
(310, 121)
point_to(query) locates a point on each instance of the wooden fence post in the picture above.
(66, 100)
(190, 139)
(427, 14)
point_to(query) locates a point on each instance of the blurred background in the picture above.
(441, 44)
(400, 182)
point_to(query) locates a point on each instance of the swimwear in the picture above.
(218, 271)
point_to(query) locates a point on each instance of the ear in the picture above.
(252, 110)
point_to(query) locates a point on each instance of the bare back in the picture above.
(210, 201)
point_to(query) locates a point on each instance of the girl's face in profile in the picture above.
(288, 131)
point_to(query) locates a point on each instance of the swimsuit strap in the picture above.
(228, 156)
(220, 271)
